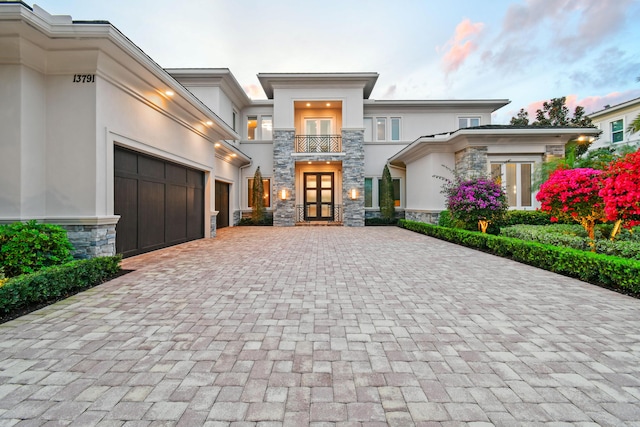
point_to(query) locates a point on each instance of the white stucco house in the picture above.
(613, 121)
(130, 157)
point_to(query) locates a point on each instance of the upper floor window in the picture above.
(259, 128)
(468, 122)
(381, 128)
(266, 126)
(233, 120)
(395, 128)
(386, 128)
(617, 131)
(252, 125)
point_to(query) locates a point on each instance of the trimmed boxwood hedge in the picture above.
(598, 269)
(50, 284)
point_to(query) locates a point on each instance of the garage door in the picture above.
(160, 203)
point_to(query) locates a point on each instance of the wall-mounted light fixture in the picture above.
(283, 194)
(353, 194)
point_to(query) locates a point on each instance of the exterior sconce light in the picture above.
(283, 194)
(353, 194)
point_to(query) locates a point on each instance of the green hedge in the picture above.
(52, 283)
(593, 268)
(30, 246)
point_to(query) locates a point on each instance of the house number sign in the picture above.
(84, 78)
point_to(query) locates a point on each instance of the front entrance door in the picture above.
(318, 196)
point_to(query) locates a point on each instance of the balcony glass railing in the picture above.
(318, 143)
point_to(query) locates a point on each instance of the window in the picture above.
(318, 126)
(467, 122)
(368, 129)
(395, 128)
(617, 131)
(266, 126)
(252, 125)
(381, 129)
(368, 192)
(515, 178)
(233, 120)
(396, 191)
(266, 185)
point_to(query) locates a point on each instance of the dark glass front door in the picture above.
(318, 196)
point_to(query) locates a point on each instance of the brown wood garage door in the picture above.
(160, 203)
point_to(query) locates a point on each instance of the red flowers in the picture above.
(621, 190)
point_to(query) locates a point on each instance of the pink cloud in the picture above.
(459, 47)
(254, 91)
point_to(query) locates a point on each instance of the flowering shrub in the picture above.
(477, 200)
(621, 190)
(573, 194)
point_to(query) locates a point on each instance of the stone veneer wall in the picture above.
(472, 162)
(353, 177)
(213, 225)
(284, 177)
(90, 241)
(430, 217)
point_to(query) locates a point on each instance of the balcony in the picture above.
(318, 143)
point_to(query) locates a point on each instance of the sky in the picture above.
(527, 51)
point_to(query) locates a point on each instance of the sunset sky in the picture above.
(527, 51)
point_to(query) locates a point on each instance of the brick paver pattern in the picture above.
(325, 326)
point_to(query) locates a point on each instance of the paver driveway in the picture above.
(325, 326)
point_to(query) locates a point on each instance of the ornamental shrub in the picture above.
(474, 200)
(573, 194)
(257, 197)
(29, 247)
(387, 200)
(620, 190)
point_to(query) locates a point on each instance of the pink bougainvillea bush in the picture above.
(573, 194)
(621, 190)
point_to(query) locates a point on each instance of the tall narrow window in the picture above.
(368, 192)
(233, 120)
(395, 128)
(617, 131)
(266, 128)
(252, 125)
(368, 129)
(381, 129)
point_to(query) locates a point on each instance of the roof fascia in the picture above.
(270, 80)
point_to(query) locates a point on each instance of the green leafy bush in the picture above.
(525, 217)
(29, 247)
(595, 268)
(265, 220)
(574, 236)
(53, 283)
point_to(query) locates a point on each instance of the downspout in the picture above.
(240, 169)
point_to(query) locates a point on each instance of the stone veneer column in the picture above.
(472, 162)
(90, 241)
(353, 176)
(284, 168)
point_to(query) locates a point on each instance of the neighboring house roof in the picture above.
(486, 134)
(269, 80)
(614, 108)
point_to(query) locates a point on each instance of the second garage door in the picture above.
(160, 203)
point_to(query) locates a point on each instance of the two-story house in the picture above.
(614, 122)
(130, 157)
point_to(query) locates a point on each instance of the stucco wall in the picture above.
(423, 189)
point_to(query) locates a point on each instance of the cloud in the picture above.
(254, 91)
(390, 92)
(461, 45)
